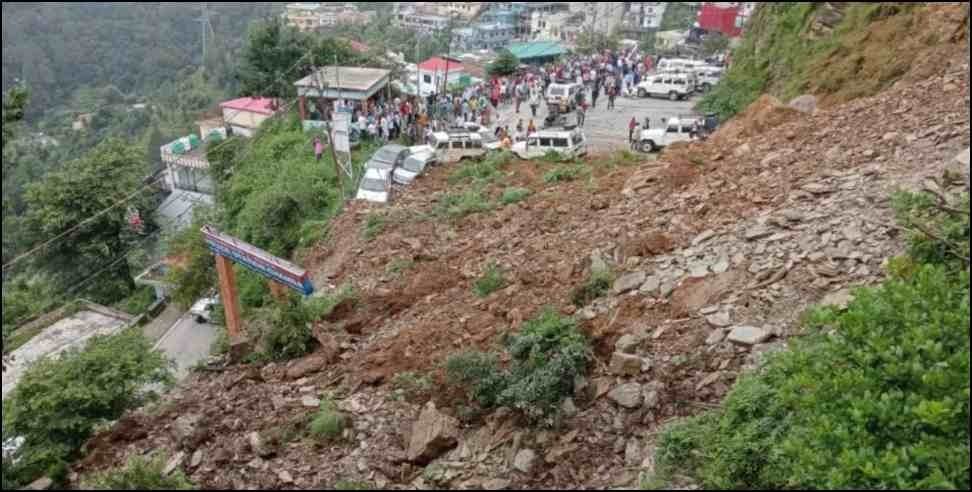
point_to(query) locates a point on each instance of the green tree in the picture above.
(506, 64)
(714, 44)
(75, 199)
(272, 50)
(59, 402)
(14, 102)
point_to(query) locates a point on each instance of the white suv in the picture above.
(675, 130)
(376, 186)
(673, 86)
(569, 144)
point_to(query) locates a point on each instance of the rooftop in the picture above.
(438, 64)
(344, 78)
(259, 105)
(539, 49)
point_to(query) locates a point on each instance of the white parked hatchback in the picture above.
(376, 186)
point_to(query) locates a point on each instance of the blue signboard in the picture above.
(259, 261)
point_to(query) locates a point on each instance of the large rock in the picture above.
(627, 344)
(748, 336)
(525, 461)
(629, 282)
(719, 320)
(627, 395)
(625, 365)
(963, 160)
(805, 104)
(260, 446)
(191, 431)
(432, 435)
(312, 364)
(632, 453)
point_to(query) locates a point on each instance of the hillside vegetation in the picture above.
(837, 51)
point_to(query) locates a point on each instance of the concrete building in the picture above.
(670, 40)
(462, 10)
(245, 115)
(484, 37)
(643, 17)
(549, 27)
(435, 73)
(308, 17)
(600, 17)
(416, 21)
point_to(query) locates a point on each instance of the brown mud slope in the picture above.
(711, 236)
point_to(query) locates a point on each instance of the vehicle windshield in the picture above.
(386, 155)
(370, 184)
(413, 165)
(558, 91)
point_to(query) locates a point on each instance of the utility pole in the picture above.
(207, 28)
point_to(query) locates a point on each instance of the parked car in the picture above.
(388, 158)
(673, 86)
(204, 309)
(675, 130)
(414, 166)
(563, 96)
(567, 143)
(708, 77)
(376, 186)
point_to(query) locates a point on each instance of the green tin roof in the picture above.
(539, 49)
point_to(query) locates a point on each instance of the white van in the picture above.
(376, 186)
(559, 95)
(680, 65)
(569, 144)
(458, 146)
(675, 87)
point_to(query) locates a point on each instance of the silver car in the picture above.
(388, 158)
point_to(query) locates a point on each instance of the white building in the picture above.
(435, 73)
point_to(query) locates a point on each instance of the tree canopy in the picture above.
(506, 64)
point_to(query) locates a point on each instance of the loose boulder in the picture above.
(432, 435)
(748, 336)
(627, 395)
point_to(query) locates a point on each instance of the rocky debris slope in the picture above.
(719, 247)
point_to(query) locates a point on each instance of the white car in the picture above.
(388, 158)
(563, 95)
(708, 77)
(413, 167)
(673, 86)
(204, 308)
(569, 144)
(376, 186)
(675, 130)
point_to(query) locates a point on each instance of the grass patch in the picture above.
(139, 474)
(624, 158)
(486, 170)
(352, 485)
(565, 173)
(492, 280)
(597, 285)
(546, 355)
(455, 206)
(514, 195)
(374, 225)
(329, 423)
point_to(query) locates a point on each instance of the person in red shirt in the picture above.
(631, 129)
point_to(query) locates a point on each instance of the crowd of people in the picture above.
(610, 74)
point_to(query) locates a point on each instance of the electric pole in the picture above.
(207, 29)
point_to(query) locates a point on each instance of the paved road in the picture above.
(187, 343)
(607, 130)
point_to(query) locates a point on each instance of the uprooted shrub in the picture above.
(546, 356)
(597, 285)
(290, 334)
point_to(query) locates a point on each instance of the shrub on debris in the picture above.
(140, 474)
(546, 356)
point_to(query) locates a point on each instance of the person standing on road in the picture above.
(632, 125)
(535, 102)
(595, 93)
(612, 95)
(581, 114)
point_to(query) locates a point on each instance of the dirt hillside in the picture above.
(740, 234)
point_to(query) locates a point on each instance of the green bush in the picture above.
(329, 423)
(876, 397)
(514, 195)
(60, 402)
(352, 485)
(139, 474)
(547, 355)
(565, 173)
(456, 206)
(137, 303)
(918, 211)
(290, 335)
(596, 286)
(492, 280)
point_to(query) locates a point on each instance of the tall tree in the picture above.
(506, 64)
(14, 102)
(66, 199)
(274, 53)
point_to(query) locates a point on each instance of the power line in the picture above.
(129, 198)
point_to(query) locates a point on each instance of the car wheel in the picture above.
(673, 96)
(200, 320)
(647, 146)
(642, 93)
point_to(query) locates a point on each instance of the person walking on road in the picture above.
(595, 93)
(612, 95)
(581, 114)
